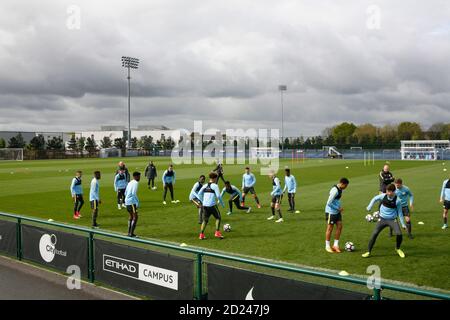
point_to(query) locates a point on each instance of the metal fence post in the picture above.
(19, 238)
(91, 265)
(199, 290)
(376, 294)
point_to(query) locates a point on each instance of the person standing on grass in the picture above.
(210, 195)
(219, 170)
(94, 197)
(248, 186)
(405, 194)
(385, 178)
(276, 194)
(290, 184)
(235, 197)
(195, 198)
(168, 180)
(333, 215)
(124, 168)
(76, 189)
(390, 210)
(445, 200)
(120, 184)
(132, 202)
(150, 173)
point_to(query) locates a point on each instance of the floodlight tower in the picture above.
(282, 88)
(129, 63)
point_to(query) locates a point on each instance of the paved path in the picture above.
(23, 281)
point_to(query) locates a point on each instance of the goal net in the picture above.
(264, 153)
(11, 154)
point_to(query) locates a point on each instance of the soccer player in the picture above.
(76, 189)
(235, 197)
(124, 168)
(248, 186)
(132, 202)
(168, 180)
(120, 184)
(94, 197)
(391, 208)
(333, 215)
(386, 178)
(445, 200)
(290, 184)
(276, 198)
(405, 194)
(210, 194)
(219, 170)
(151, 174)
(195, 198)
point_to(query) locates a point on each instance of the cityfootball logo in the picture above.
(47, 247)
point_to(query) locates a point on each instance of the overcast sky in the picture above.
(221, 62)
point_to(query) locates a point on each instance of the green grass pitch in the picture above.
(41, 189)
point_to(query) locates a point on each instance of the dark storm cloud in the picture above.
(215, 60)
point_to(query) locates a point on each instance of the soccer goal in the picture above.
(11, 154)
(264, 153)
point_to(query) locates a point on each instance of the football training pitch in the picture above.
(41, 189)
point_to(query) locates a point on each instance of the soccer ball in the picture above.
(376, 215)
(227, 227)
(349, 246)
(369, 218)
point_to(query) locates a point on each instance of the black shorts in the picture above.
(196, 202)
(94, 204)
(333, 218)
(249, 190)
(211, 211)
(447, 204)
(406, 212)
(132, 208)
(276, 199)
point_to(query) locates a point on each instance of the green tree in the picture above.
(146, 143)
(365, 134)
(16, 141)
(342, 132)
(2, 143)
(134, 143)
(72, 144)
(106, 143)
(56, 143)
(120, 143)
(409, 131)
(91, 145)
(37, 143)
(81, 143)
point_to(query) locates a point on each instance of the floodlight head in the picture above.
(282, 87)
(129, 62)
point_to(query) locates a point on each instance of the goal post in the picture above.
(11, 154)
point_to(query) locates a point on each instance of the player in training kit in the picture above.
(76, 189)
(333, 215)
(151, 174)
(390, 209)
(445, 200)
(386, 178)
(405, 194)
(94, 197)
(210, 194)
(290, 184)
(219, 171)
(195, 198)
(168, 180)
(124, 168)
(132, 202)
(235, 197)
(248, 186)
(276, 193)
(120, 184)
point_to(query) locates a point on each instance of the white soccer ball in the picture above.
(369, 218)
(227, 227)
(376, 215)
(349, 246)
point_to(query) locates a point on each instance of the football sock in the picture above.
(217, 225)
(327, 243)
(273, 211)
(336, 243)
(399, 241)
